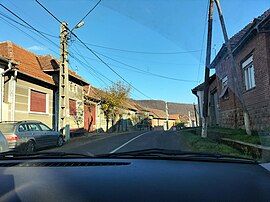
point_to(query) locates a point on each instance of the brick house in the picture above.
(251, 50)
(30, 90)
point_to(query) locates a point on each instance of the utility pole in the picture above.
(167, 116)
(63, 115)
(207, 70)
(238, 89)
(189, 119)
(195, 114)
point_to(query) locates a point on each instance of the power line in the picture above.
(95, 71)
(96, 55)
(10, 24)
(131, 51)
(203, 40)
(49, 12)
(148, 61)
(138, 70)
(142, 52)
(28, 24)
(150, 73)
(89, 12)
(82, 63)
(38, 31)
(15, 21)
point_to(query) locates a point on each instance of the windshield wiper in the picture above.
(14, 154)
(177, 154)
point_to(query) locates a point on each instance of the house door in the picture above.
(89, 117)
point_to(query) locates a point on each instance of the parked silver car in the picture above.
(27, 136)
(3, 143)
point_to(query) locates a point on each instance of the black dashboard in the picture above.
(131, 180)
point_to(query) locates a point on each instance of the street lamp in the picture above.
(79, 25)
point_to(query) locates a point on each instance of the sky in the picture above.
(144, 39)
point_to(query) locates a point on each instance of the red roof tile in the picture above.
(28, 62)
(49, 63)
(174, 116)
(157, 113)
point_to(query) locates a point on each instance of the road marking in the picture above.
(113, 151)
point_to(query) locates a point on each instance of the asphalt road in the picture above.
(127, 142)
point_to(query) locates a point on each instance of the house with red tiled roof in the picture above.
(158, 118)
(246, 86)
(126, 119)
(30, 88)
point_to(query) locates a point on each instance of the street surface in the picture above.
(110, 143)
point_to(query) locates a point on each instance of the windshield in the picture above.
(7, 128)
(120, 76)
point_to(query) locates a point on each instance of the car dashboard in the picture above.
(80, 179)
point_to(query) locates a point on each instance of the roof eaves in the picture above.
(249, 29)
(22, 72)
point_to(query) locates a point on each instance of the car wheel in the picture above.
(30, 147)
(60, 141)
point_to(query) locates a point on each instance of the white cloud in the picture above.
(37, 48)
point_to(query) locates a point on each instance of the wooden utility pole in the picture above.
(207, 69)
(195, 114)
(63, 115)
(235, 73)
(167, 116)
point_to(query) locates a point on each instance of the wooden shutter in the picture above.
(72, 107)
(37, 101)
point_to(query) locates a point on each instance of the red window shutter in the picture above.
(72, 107)
(37, 101)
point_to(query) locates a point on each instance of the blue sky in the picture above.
(157, 26)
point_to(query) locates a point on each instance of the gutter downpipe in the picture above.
(2, 89)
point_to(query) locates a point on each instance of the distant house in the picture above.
(158, 119)
(251, 50)
(126, 117)
(185, 110)
(173, 120)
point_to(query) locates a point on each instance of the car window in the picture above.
(34, 127)
(22, 128)
(44, 127)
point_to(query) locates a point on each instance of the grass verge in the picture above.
(235, 134)
(198, 144)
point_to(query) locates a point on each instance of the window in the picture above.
(224, 82)
(71, 87)
(248, 69)
(44, 127)
(38, 101)
(224, 91)
(22, 128)
(72, 107)
(33, 127)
